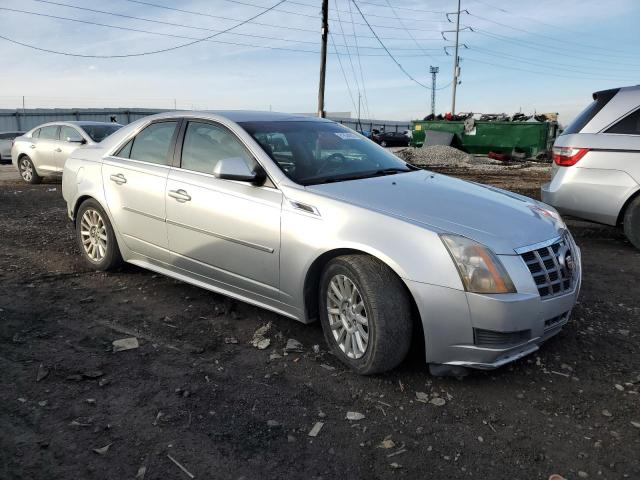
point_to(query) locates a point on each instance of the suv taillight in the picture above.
(568, 156)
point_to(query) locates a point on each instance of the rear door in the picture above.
(224, 230)
(134, 180)
(42, 148)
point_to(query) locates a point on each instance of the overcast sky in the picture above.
(534, 55)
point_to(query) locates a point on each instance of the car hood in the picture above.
(499, 219)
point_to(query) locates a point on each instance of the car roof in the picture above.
(258, 116)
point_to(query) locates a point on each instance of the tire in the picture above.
(383, 143)
(381, 298)
(28, 170)
(96, 238)
(631, 222)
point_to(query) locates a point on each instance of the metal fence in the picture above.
(25, 119)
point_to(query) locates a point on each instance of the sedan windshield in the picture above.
(311, 152)
(97, 133)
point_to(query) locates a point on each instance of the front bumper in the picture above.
(488, 331)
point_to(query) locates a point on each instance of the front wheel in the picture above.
(631, 222)
(365, 313)
(383, 143)
(96, 238)
(28, 171)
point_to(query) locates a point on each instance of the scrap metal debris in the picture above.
(354, 416)
(125, 344)
(316, 429)
(42, 373)
(102, 450)
(260, 340)
(293, 345)
(180, 466)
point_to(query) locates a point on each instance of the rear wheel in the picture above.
(28, 171)
(96, 237)
(365, 313)
(631, 222)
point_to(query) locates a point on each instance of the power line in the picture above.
(406, 30)
(538, 34)
(344, 75)
(353, 70)
(248, 4)
(546, 48)
(355, 40)
(152, 52)
(204, 14)
(538, 72)
(171, 8)
(407, 74)
(186, 37)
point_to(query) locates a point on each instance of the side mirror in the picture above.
(76, 140)
(236, 168)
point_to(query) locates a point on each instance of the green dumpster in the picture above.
(535, 139)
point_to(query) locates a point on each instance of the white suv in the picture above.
(596, 172)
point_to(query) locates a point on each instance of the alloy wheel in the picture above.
(93, 233)
(26, 169)
(347, 316)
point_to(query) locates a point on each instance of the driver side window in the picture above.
(205, 144)
(70, 134)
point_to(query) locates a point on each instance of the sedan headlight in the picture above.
(479, 268)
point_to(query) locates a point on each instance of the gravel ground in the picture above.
(445, 156)
(198, 392)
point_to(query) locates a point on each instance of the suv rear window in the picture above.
(600, 99)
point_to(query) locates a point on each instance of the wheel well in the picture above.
(312, 285)
(79, 202)
(624, 208)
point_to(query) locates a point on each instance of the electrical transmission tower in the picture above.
(434, 71)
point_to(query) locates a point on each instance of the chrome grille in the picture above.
(552, 267)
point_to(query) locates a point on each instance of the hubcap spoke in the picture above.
(93, 234)
(348, 317)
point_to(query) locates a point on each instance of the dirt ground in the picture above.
(227, 410)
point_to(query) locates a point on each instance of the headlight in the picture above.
(479, 268)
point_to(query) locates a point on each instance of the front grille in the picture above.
(491, 338)
(552, 267)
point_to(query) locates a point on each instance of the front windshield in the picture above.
(97, 133)
(311, 152)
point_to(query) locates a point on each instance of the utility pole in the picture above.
(456, 63)
(359, 124)
(434, 71)
(323, 57)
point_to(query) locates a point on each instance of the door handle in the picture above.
(58, 150)
(180, 195)
(119, 178)
(32, 146)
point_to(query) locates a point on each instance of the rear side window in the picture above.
(151, 144)
(629, 125)
(600, 100)
(49, 133)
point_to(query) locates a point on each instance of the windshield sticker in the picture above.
(348, 136)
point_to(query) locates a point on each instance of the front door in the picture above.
(134, 180)
(225, 230)
(70, 139)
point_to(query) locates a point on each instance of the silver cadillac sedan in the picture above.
(311, 220)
